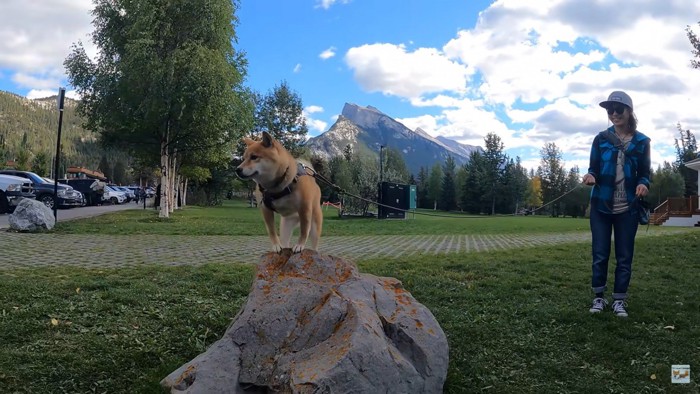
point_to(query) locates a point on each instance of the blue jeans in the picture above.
(624, 226)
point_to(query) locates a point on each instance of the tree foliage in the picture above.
(552, 176)
(395, 169)
(435, 185)
(687, 150)
(493, 171)
(448, 196)
(695, 42)
(167, 81)
(422, 188)
(473, 189)
(666, 182)
(281, 113)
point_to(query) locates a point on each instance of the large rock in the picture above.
(31, 215)
(314, 324)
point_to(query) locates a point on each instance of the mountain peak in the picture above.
(368, 129)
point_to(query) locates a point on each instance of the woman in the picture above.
(619, 170)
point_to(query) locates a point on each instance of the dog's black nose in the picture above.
(239, 173)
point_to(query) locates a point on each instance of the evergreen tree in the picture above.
(552, 176)
(422, 188)
(494, 161)
(695, 42)
(280, 113)
(448, 196)
(341, 175)
(395, 169)
(41, 164)
(666, 182)
(511, 188)
(576, 202)
(473, 188)
(105, 168)
(687, 150)
(321, 166)
(434, 185)
(119, 173)
(347, 152)
(460, 179)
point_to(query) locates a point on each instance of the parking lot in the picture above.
(82, 212)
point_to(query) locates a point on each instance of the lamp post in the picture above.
(381, 163)
(60, 98)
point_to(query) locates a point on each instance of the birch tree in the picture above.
(166, 82)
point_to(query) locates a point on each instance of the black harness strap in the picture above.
(268, 197)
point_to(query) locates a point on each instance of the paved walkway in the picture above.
(22, 250)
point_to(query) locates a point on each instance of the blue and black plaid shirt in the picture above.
(603, 166)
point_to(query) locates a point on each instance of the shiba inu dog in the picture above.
(287, 189)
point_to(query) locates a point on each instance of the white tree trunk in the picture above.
(164, 177)
(184, 192)
(178, 191)
(171, 184)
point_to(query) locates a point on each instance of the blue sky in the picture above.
(531, 71)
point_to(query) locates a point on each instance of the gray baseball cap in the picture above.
(617, 97)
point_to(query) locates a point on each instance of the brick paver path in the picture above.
(19, 250)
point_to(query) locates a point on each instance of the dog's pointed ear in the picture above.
(248, 141)
(267, 139)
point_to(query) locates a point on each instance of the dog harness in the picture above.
(268, 197)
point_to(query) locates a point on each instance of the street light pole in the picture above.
(381, 163)
(61, 96)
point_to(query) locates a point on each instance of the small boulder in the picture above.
(314, 324)
(31, 215)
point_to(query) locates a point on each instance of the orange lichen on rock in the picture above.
(186, 375)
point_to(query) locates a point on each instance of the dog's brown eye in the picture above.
(253, 157)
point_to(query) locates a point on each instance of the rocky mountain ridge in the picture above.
(367, 129)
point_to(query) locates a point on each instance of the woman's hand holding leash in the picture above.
(589, 179)
(641, 191)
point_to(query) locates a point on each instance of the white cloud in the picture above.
(297, 68)
(37, 93)
(35, 38)
(327, 54)
(312, 109)
(326, 4)
(316, 126)
(518, 60)
(390, 69)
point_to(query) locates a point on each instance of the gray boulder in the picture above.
(314, 324)
(31, 215)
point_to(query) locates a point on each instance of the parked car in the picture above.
(66, 196)
(130, 196)
(12, 190)
(113, 195)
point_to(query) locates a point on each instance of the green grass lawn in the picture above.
(517, 320)
(235, 218)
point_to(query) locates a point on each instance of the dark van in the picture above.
(83, 185)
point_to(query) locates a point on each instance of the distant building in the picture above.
(84, 173)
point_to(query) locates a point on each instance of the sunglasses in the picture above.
(619, 109)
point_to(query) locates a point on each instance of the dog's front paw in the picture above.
(277, 248)
(298, 248)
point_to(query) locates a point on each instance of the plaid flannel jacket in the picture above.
(603, 166)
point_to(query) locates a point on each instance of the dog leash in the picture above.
(342, 191)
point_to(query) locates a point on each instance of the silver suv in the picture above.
(12, 190)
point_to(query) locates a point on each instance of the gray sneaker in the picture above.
(598, 305)
(618, 308)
